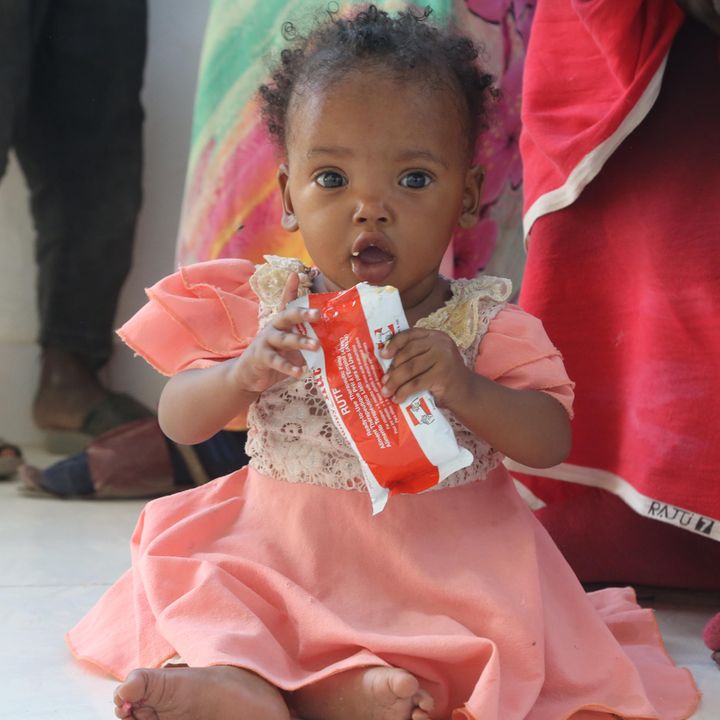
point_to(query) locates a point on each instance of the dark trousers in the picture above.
(70, 79)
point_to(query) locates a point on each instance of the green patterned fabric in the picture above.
(231, 206)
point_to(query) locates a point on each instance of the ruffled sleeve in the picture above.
(517, 352)
(201, 315)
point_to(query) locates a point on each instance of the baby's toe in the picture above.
(123, 710)
(424, 701)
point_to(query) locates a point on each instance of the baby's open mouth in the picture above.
(372, 258)
(373, 255)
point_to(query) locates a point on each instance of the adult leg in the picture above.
(80, 149)
(18, 31)
(17, 36)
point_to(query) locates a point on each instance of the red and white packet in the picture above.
(403, 448)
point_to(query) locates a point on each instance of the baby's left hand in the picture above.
(424, 360)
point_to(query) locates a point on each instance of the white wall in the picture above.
(175, 38)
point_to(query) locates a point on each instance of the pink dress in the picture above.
(290, 576)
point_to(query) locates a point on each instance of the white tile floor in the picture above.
(57, 557)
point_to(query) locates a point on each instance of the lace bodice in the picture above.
(292, 436)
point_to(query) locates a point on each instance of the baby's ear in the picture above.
(470, 213)
(289, 221)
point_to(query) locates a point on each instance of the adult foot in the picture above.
(69, 389)
(211, 693)
(376, 693)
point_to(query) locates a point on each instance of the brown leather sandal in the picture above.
(113, 410)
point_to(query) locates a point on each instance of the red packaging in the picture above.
(403, 448)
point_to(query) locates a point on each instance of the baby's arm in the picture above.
(196, 404)
(528, 426)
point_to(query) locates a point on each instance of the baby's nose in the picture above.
(372, 211)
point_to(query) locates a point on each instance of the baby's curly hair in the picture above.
(406, 45)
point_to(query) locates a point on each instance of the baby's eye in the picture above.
(330, 179)
(415, 180)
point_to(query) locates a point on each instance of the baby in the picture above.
(274, 588)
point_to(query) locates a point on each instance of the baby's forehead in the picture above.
(373, 101)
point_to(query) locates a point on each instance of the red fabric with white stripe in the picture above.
(627, 278)
(588, 64)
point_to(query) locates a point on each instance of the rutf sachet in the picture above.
(403, 448)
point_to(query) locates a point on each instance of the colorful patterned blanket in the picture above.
(231, 205)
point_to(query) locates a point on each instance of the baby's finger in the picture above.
(286, 366)
(414, 385)
(401, 340)
(394, 344)
(399, 377)
(287, 340)
(415, 348)
(288, 318)
(290, 291)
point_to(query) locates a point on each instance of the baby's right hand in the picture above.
(275, 352)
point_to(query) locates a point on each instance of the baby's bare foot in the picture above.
(211, 693)
(377, 693)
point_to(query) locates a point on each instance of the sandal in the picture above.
(136, 461)
(10, 459)
(113, 410)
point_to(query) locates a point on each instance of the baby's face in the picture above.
(377, 179)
